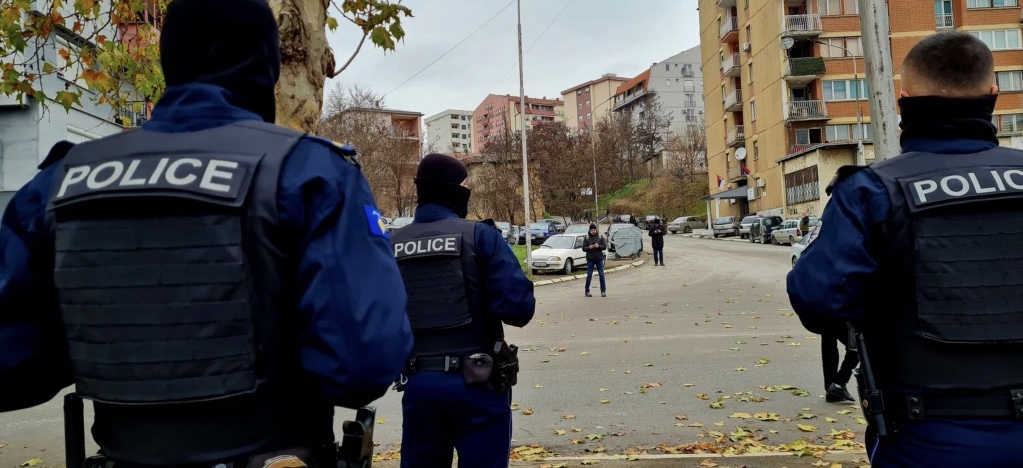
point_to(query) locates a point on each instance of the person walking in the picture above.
(594, 246)
(920, 254)
(656, 233)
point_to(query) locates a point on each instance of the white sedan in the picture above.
(561, 252)
(799, 246)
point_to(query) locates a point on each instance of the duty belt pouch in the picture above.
(477, 369)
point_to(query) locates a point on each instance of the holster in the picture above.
(478, 369)
(506, 366)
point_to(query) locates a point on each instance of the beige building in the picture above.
(587, 103)
(785, 91)
(498, 115)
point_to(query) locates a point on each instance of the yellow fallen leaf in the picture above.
(32, 462)
(381, 421)
(806, 427)
(603, 389)
(584, 353)
(560, 431)
(568, 416)
(605, 401)
(830, 419)
(681, 417)
(591, 462)
(845, 411)
(648, 365)
(695, 424)
(719, 424)
(537, 386)
(741, 415)
(688, 385)
(576, 429)
(702, 396)
(628, 372)
(527, 412)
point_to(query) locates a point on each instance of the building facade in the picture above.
(498, 115)
(449, 132)
(28, 128)
(677, 85)
(790, 79)
(591, 101)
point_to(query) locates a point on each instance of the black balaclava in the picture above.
(233, 44)
(439, 180)
(945, 118)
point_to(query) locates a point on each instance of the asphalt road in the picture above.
(635, 374)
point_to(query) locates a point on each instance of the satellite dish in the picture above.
(787, 43)
(740, 154)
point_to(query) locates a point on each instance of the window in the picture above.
(991, 3)
(756, 152)
(838, 47)
(802, 186)
(454, 135)
(688, 86)
(843, 90)
(667, 67)
(690, 100)
(687, 70)
(588, 115)
(753, 111)
(999, 39)
(667, 83)
(750, 66)
(848, 132)
(1008, 123)
(839, 7)
(580, 118)
(454, 126)
(1009, 80)
(580, 105)
(749, 33)
(463, 127)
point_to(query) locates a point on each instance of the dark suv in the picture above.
(760, 230)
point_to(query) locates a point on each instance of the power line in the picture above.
(452, 48)
(533, 44)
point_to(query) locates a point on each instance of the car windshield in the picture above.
(560, 242)
(679, 220)
(577, 229)
(402, 221)
(723, 221)
(748, 219)
(538, 226)
(503, 225)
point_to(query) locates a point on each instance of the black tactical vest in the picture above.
(176, 291)
(442, 278)
(952, 318)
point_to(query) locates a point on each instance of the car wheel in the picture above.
(535, 272)
(674, 232)
(568, 267)
(792, 240)
(687, 230)
(763, 239)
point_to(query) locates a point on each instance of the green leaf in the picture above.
(382, 38)
(47, 67)
(32, 462)
(331, 23)
(396, 31)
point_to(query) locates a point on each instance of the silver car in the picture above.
(509, 232)
(726, 226)
(686, 224)
(745, 224)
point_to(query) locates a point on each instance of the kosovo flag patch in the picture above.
(375, 222)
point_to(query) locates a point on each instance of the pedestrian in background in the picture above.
(656, 232)
(594, 246)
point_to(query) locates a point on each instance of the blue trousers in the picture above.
(658, 255)
(599, 265)
(442, 414)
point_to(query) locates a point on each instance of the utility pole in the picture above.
(525, 157)
(877, 55)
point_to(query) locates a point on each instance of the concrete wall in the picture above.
(667, 81)
(439, 132)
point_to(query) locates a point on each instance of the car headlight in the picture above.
(554, 259)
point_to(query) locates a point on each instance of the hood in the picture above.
(231, 44)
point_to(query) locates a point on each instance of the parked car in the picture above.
(539, 232)
(560, 252)
(797, 249)
(645, 221)
(763, 227)
(789, 232)
(558, 225)
(509, 232)
(685, 224)
(744, 226)
(726, 226)
(577, 229)
(399, 223)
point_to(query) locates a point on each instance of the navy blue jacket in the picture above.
(353, 298)
(831, 281)
(509, 292)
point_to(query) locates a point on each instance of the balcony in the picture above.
(808, 25)
(733, 102)
(735, 173)
(736, 136)
(802, 70)
(731, 66)
(133, 114)
(727, 3)
(730, 29)
(806, 110)
(944, 21)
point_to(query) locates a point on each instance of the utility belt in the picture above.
(498, 370)
(354, 451)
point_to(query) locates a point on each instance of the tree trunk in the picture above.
(306, 60)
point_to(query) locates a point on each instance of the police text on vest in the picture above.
(955, 186)
(210, 176)
(427, 246)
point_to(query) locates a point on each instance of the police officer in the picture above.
(212, 282)
(462, 283)
(921, 253)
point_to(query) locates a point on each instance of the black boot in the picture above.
(838, 393)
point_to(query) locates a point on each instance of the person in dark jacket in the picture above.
(836, 376)
(920, 251)
(594, 246)
(656, 232)
(219, 281)
(804, 224)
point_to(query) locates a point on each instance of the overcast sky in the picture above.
(588, 39)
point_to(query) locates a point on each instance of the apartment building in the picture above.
(449, 132)
(676, 83)
(498, 115)
(789, 76)
(589, 102)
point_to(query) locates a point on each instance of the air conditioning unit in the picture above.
(745, 47)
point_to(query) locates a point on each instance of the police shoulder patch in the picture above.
(375, 222)
(815, 232)
(841, 174)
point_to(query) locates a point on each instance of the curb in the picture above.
(563, 279)
(710, 237)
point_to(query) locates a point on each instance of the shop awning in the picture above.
(733, 194)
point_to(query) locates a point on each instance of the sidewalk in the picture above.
(786, 460)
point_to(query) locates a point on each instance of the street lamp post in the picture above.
(861, 159)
